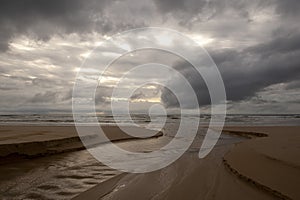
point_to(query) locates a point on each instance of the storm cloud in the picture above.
(255, 45)
(248, 71)
(43, 19)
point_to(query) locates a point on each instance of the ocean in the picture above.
(144, 120)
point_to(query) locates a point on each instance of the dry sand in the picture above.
(259, 168)
(271, 163)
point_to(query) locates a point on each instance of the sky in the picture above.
(255, 45)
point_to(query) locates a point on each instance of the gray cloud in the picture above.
(5, 87)
(196, 81)
(256, 44)
(288, 7)
(41, 19)
(288, 42)
(293, 85)
(248, 71)
(46, 97)
(137, 95)
(102, 95)
(51, 96)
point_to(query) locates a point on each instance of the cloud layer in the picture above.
(255, 44)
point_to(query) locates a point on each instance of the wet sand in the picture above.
(32, 141)
(50, 162)
(263, 167)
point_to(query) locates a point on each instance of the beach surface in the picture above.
(31, 141)
(265, 166)
(49, 162)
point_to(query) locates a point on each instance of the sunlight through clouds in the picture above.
(248, 40)
(201, 40)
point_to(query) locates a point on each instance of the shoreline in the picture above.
(263, 187)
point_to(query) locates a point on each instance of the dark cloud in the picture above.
(51, 97)
(256, 44)
(216, 7)
(178, 5)
(191, 11)
(67, 95)
(146, 92)
(293, 85)
(46, 97)
(248, 71)
(138, 95)
(196, 81)
(169, 98)
(41, 19)
(286, 43)
(288, 7)
(102, 95)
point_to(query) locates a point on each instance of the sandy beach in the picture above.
(149, 100)
(247, 163)
(257, 168)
